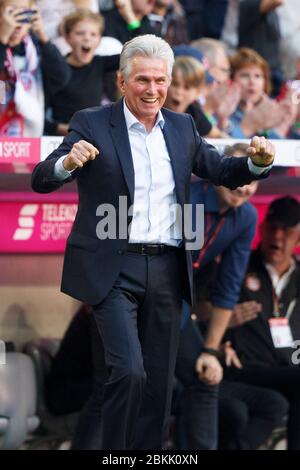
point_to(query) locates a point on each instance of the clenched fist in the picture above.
(261, 151)
(209, 369)
(81, 153)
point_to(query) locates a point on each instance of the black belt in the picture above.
(150, 248)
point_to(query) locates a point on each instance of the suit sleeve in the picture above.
(43, 179)
(209, 164)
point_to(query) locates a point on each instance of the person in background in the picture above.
(194, 15)
(216, 55)
(82, 30)
(256, 112)
(168, 21)
(73, 370)
(188, 77)
(136, 280)
(229, 222)
(223, 95)
(53, 11)
(266, 322)
(188, 82)
(69, 382)
(208, 84)
(30, 67)
(128, 19)
(259, 29)
(247, 413)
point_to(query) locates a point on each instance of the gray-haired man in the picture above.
(136, 282)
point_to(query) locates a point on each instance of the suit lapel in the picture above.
(120, 139)
(177, 159)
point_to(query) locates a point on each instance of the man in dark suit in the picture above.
(133, 268)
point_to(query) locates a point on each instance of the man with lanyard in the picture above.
(230, 223)
(269, 312)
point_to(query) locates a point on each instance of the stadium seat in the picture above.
(53, 429)
(17, 400)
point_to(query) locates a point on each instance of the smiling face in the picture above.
(145, 89)
(180, 95)
(252, 81)
(84, 38)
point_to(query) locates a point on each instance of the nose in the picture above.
(278, 232)
(151, 88)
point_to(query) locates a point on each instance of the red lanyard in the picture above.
(209, 240)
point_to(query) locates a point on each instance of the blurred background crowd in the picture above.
(237, 69)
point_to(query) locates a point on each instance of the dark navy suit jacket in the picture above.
(91, 265)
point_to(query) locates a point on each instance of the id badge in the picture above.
(281, 332)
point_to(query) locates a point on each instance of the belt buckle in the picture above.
(143, 250)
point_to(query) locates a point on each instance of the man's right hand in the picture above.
(81, 153)
(209, 369)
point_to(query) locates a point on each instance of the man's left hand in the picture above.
(261, 151)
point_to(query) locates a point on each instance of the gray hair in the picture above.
(209, 47)
(147, 45)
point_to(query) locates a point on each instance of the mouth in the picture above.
(85, 49)
(149, 100)
(274, 247)
(176, 102)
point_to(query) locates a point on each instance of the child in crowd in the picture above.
(29, 67)
(53, 11)
(188, 77)
(82, 30)
(256, 113)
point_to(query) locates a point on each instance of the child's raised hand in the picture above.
(37, 26)
(10, 18)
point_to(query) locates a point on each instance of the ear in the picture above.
(121, 82)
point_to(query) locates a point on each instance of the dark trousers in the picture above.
(248, 414)
(138, 323)
(286, 380)
(197, 423)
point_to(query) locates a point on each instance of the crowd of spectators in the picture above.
(58, 55)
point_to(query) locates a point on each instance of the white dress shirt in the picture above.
(153, 221)
(280, 282)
